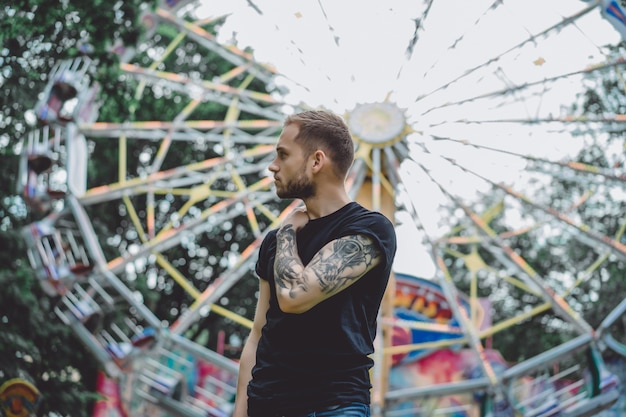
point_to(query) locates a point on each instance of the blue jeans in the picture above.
(350, 410)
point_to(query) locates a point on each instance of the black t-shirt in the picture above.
(321, 357)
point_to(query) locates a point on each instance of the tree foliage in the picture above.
(34, 35)
(604, 96)
(203, 257)
(35, 345)
(557, 252)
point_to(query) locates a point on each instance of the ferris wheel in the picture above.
(461, 147)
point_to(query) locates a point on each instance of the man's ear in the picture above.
(319, 159)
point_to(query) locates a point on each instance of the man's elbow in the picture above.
(291, 305)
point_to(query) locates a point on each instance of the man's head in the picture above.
(328, 132)
(313, 144)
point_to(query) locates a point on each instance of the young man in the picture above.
(323, 274)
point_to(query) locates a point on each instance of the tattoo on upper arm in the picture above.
(334, 267)
(288, 267)
(348, 259)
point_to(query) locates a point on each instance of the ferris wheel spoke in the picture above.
(522, 284)
(188, 130)
(178, 277)
(583, 232)
(252, 219)
(218, 93)
(330, 27)
(474, 262)
(170, 237)
(430, 327)
(229, 52)
(452, 297)
(216, 289)
(418, 28)
(538, 162)
(549, 167)
(450, 238)
(512, 258)
(356, 177)
(227, 208)
(554, 28)
(617, 120)
(209, 297)
(392, 166)
(528, 85)
(171, 181)
(155, 64)
(376, 179)
(455, 44)
(469, 329)
(587, 273)
(166, 141)
(232, 114)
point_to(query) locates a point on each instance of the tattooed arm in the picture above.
(336, 266)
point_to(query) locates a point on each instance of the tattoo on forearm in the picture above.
(349, 258)
(334, 267)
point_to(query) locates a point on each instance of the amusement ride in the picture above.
(163, 298)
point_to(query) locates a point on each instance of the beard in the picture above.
(300, 187)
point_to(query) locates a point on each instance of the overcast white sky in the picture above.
(351, 51)
(337, 54)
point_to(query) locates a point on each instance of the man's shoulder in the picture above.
(368, 216)
(269, 239)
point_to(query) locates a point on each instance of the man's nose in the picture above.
(273, 167)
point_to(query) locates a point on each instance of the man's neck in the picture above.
(323, 205)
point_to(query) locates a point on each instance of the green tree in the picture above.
(557, 252)
(60, 35)
(34, 35)
(201, 259)
(35, 345)
(604, 97)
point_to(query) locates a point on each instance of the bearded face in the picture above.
(299, 186)
(291, 177)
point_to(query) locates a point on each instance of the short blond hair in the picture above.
(321, 129)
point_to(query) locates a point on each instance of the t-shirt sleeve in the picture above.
(380, 229)
(265, 254)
